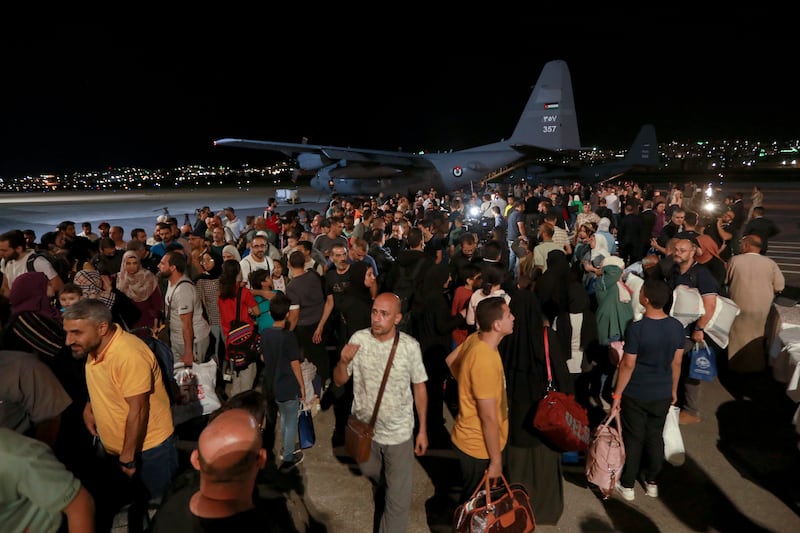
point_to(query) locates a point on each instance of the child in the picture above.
(471, 273)
(69, 294)
(278, 279)
(282, 380)
(261, 283)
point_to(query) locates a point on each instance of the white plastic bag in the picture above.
(718, 328)
(674, 451)
(687, 305)
(198, 384)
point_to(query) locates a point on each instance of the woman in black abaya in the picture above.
(528, 459)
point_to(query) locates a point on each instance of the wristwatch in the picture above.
(131, 464)
(698, 328)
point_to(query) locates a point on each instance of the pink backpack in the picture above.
(606, 455)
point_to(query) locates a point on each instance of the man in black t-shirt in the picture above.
(229, 455)
(687, 271)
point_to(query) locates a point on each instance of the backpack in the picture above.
(407, 287)
(166, 362)
(181, 411)
(61, 267)
(606, 456)
(244, 341)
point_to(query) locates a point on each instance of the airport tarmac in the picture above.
(742, 468)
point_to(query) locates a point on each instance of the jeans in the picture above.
(158, 467)
(289, 410)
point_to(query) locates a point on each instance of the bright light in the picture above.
(709, 206)
(709, 191)
(474, 211)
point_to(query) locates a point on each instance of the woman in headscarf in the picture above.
(34, 324)
(141, 286)
(99, 287)
(433, 325)
(357, 299)
(31, 291)
(529, 460)
(614, 314)
(231, 252)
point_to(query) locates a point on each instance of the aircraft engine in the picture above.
(312, 161)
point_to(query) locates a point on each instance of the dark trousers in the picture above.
(472, 471)
(642, 433)
(315, 353)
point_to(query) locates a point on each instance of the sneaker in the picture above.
(687, 418)
(627, 493)
(651, 489)
(288, 466)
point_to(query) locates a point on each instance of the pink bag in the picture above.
(606, 456)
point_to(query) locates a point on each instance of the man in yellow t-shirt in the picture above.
(128, 405)
(481, 428)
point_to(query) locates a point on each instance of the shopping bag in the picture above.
(674, 451)
(703, 363)
(305, 429)
(498, 508)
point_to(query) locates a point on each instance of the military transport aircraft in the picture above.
(548, 124)
(643, 154)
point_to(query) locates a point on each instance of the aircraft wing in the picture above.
(400, 160)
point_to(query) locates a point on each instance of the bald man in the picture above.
(228, 457)
(364, 358)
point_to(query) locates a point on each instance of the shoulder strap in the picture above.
(29, 262)
(547, 360)
(238, 302)
(385, 379)
(169, 303)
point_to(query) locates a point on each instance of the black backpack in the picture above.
(62, 268)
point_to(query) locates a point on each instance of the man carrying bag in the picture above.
(366, 357)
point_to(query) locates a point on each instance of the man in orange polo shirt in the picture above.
(128, 406)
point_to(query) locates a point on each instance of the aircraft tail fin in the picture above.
(549, 120)
(644, 150)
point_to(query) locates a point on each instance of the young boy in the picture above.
(471, 273)
(282, 380)
(68, 295)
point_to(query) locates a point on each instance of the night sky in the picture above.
(87, 105)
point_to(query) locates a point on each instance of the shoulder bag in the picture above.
(561, 420)
(357, 434)
(504, 507)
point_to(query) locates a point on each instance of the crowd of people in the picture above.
(462, 291)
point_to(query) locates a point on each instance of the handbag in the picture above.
(305, 429)
(702, 362)
(357, 434)
(605, 457)
(504, 507)
(615, 351)
(674, 452)
(561, 420)
(244, 342)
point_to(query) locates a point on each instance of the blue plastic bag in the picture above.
(305, 429)
(703, 362)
